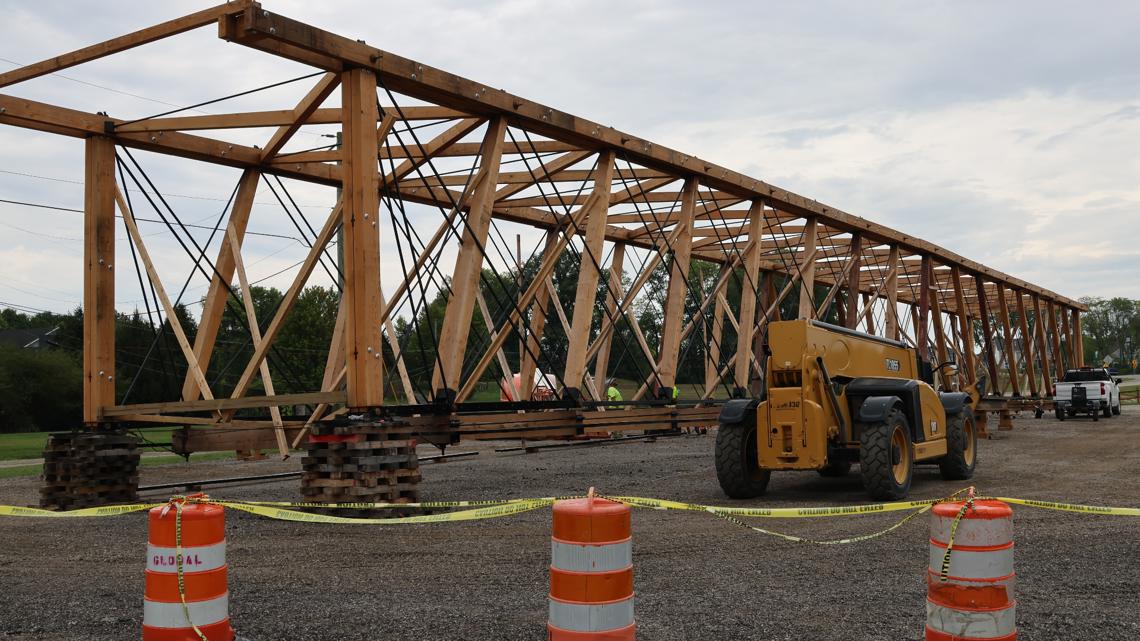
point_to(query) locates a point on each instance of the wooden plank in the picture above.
(401, 365)
(1078, 338)
(669, 353)
(987, 333)
(219, 292)
(892, 287)
(851, 318)
(713, 341)
(98, 277)
(361, 237)
(967, 326)
(225, 404)
(485, 312)
(301, 113)
(164, 299)
(548, 168)
(122, 43)
(468, 265)
(537, 327)
(589, 271)
(434, 147)
(1040, 331)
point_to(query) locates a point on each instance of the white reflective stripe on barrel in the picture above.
(194, 559)
(583, 617)
(972, 624)
(577, 557)
(977, 532)
(158, 614)
(969, 564)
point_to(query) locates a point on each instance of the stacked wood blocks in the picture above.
(362, 462)
(88, 469)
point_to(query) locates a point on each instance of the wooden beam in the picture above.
(361, 237)
(219, 293)
(987, 333)
(713, 340)
(164, 299)
(1040, 331)
(434, 147)
(398, 354)
(967, 326)
(852, 302)
(485, 312)
(304, 109)
(533, 339)
(1007, 342)
(543, 172)
(807, 276)
(922, 315)
(98, 277)
(1078, 338)
(225, 404)
(468, 266)
(892, 286)
(749, 291)
(122, 43)
(1066, 352)
(1026, 344)
(610, 307)
(669, 352)
(589, 271)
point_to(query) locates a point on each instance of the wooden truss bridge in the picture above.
(474, 157)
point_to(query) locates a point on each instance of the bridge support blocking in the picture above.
(88, 469)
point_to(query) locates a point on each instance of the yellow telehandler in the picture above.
(835, 396)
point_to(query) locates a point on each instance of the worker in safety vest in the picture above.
(613, 395)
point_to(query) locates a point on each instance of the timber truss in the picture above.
(618, 204)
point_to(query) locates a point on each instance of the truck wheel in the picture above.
(737, 468)
(835, 469)
(886, 458)
(1059, 412)
(1107, 411)
(1096, 415)
(961, 448)
(1116, 410)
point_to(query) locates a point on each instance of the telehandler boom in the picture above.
(835, 396)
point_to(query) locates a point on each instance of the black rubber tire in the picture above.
(1106, 411)
(737, 469)
(959, 441)
(876, 460)
(1116, 410)
(835, 469)
(1096, 415)
(1059, 412)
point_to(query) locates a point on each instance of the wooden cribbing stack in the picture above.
(361, 462)
(88, 469)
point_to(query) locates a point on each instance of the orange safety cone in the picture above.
(970, 590)
(591, 572)
(187, 597)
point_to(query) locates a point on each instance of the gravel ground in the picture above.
(697, 577)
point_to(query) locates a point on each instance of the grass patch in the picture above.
(17, 471)
(31, 444)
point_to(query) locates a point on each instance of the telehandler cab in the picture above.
(835, 396)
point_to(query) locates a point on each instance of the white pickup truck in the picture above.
(1086, 390)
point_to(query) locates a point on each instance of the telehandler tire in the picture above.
(886, 458)
(737, 467)
(835, 469)
(961, 448)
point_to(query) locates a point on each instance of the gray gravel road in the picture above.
(697, 577)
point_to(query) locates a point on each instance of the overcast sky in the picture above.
(1006, 132)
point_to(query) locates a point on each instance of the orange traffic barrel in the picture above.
(204, 575)
(972, 596)
(591, 572)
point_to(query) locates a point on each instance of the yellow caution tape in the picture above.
(108, 510)
(389, 506)
(775, 512)
(284, 514)
(1071, 507)
(799, 539)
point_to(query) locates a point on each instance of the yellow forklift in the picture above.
(835, 396)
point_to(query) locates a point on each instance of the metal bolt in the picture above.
(3, 110)
(377, 354)
(109, 266)
(110, 378)
(273, 30)
(264, 14)
(369, 349)
(100, 261)
(100, 372)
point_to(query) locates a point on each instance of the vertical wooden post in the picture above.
(1059, 357)
(965, 325)
(536, 329)
(854, 282)
(1078, 339)
(219, 292)
(1042, 346)
(589, 271)
(892, 286)
(742, 374)
(363, 305)
(921, 332)
(987, 334)
(613, 295)
(468, 266)
(939, 334)
(98, 278)
(867, 300)
(1026, 344)
(807, 275)
(668, 354)
(1007, 342)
